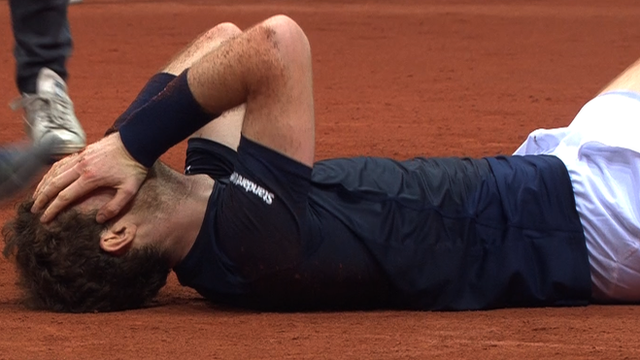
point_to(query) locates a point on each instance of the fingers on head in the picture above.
(113, 207)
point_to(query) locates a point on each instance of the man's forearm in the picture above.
(153, 87)
(167, 119)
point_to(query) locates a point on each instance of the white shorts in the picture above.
(601, 149)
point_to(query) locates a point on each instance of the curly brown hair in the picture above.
(61, 266)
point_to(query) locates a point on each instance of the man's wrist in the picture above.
(167, 119)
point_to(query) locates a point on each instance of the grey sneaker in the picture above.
(49, 113)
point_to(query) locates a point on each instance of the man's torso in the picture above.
(368, 232)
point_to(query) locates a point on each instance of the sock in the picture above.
(153, 87)
(164, 121)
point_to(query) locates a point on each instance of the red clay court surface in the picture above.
(399, 79)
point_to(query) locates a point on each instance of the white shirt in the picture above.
(601, 150)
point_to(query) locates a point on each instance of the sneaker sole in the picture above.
(66, 149)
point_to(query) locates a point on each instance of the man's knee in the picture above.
(222, 32)
(201, 46)
(288, 38)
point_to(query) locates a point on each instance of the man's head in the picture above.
(74, 264)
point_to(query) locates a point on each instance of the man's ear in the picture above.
(118, 238)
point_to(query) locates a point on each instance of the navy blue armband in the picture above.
(167, 119)
(153, 87)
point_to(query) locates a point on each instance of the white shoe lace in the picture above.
(58, 111)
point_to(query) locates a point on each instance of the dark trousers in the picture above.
(42, 39)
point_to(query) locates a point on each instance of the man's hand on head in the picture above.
(105, 163)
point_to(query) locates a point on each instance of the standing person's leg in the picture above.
(42, 39)
(42, 46)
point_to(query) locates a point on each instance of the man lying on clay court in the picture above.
(266, 228)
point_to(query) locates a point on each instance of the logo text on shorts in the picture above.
(250, 186)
